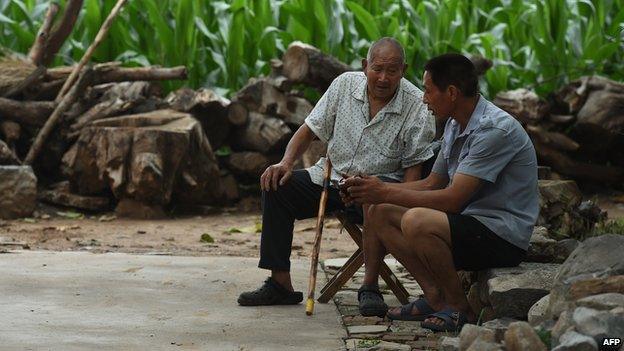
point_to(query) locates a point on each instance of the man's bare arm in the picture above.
(413, 173)
(433, 181)
(451, 199)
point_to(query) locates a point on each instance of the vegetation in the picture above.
(536, 43)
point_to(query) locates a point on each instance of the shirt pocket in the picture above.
(386, 148)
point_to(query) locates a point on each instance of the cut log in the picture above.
(10, 132)
(553, 139)
(61, 195)
(144, 159)
(7, 156)
(33, 113)
(261, 96)
(237, 114)
(13, 72)
(65, 103)
(303, 63)
(563, 164)
(250, 165)
(124, 74)
(523, 104)
(208, 108)
(262, 133)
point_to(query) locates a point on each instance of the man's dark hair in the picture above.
(453, 69)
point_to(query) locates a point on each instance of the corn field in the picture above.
(533, 43)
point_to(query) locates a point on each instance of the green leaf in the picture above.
(206, 238)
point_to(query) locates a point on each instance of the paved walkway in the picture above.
(83, 301)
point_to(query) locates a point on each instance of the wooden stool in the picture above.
(354, 263)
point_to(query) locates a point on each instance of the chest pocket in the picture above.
(390, 148)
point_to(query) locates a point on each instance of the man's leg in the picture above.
(429, 235)
(384, 222)
(297, 199)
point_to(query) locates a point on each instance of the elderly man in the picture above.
(475, 210)
(374, 123)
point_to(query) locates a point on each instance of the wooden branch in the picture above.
(34, 113)
(124, 74)
(87, 55)
(62, 31)
(63, 106)
(41, 41)
(27, 82)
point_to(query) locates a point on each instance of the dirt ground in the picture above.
(234, 231)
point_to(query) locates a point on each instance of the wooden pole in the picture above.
(317, 239)
(41, 41)
(87, 55)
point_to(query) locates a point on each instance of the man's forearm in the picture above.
(441, 200)
(298, 144)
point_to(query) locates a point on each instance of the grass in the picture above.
(536, 43)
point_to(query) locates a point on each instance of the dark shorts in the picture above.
(476, 247)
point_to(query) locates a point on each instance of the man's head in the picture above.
(448, 79)
(384, 67)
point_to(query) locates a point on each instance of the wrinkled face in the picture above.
(384, 72)
(438, 101)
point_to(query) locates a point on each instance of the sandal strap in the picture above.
(421, 304)
(450, 316)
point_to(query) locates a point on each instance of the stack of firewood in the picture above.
(578, 131)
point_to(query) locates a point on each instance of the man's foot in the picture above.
(270, 293)
(371, 301)
(416, 310)
(447, 320)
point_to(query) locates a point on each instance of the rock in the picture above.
(602, 302)
(564, 324)
(7, 156)
(474, 299)
(471, 332)
(512, 291)
(521, 337)
(499, 326)
(449, 344)
(366, 329)
(559, 201)
(597, 258)
(594, 286)
(389, 346)
(544, 249)
(598, 324)
(154, 158)
(573, 341)
(539, 311)
(480, 345)
(18, 191)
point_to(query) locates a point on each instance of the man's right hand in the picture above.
(274, 175)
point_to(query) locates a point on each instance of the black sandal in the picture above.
(371, 302)
(270, 293)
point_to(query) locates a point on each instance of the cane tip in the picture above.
(309, 306)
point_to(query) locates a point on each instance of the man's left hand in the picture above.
(367, 190)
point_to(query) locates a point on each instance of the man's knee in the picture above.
(378, 213)
(416, 222)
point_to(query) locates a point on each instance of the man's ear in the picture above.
(453, 92)
(364, 64)
(404, 69)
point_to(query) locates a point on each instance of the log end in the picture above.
(295, 63)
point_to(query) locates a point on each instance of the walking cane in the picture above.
(317, 239)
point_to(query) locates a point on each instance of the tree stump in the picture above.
(146, 161)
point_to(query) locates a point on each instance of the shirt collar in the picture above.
(475, 119)
(394, 106)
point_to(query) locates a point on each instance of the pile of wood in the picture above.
(578, 131)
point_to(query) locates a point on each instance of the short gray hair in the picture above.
(384, 41)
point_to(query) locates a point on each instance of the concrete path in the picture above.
(84, 301)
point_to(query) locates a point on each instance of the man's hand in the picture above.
(366, 190)
(274, 175)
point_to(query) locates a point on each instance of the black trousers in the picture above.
(297, 199)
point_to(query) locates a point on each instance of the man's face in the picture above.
(439, 102)
(384, 72)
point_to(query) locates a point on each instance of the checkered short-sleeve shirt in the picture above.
(398, 137)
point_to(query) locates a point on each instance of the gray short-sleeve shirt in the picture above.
(495, 148)
(398, 137)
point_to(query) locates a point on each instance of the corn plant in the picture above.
(533, 43)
